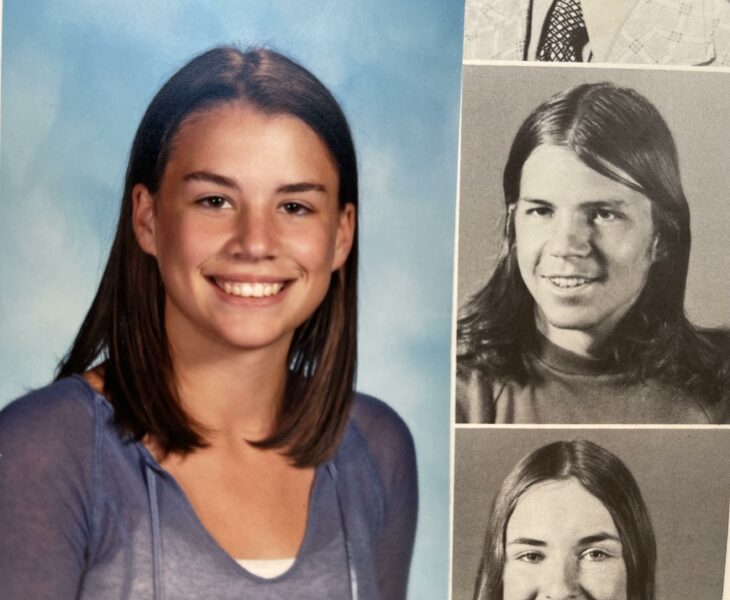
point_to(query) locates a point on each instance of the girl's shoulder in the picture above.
(387, 486)
(48, 443)
(373, 416)
(379, 424)
(378, 432)
(64, 408)
(50, 433)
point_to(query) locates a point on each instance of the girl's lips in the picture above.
(250, 288)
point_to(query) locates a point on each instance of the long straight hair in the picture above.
(125, 324)
(618, 133)
(604, 476)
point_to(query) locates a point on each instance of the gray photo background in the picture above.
(682, 474)
(696, 106)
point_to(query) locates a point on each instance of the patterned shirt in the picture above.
(666, 32)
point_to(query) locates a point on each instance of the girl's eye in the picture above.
(530, 557)
(213, 202)
(295, 208)
(595, 554)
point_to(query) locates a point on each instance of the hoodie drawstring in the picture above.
(348, 548)
(156, 540)
(157, 543)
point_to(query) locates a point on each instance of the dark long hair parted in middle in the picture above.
(604, 476)
(618, 133)
(124, 327)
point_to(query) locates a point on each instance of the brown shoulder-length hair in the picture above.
(125, 324)
(618, 133)
(604, 476)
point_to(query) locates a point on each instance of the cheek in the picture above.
(629, 258)
(606, 582)
(522, 582)
(527, 247)
(183, 242)
(518, 583)
(313, 248)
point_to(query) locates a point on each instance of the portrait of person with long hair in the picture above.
(591, 514)
(203, 437)
(569, 521)
(86, 217)
(583, 318)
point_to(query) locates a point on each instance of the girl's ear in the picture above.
(345, 235)
(143, 218)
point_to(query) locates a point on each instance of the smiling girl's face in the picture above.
(246, 228)
(561, 543)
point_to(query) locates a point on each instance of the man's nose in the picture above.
(571, 236)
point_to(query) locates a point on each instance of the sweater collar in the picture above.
(566, 361)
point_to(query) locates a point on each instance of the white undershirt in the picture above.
(267, 568)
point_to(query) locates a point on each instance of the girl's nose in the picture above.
(560, 581)
(254, 236)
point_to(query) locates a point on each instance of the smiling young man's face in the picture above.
(585, 244)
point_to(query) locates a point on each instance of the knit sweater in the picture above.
(564, 387)
(88, 513)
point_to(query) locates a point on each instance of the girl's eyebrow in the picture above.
(598, 202)
(598, 537)
(601, 536)
(301, 187)
(212, 178)
(287, 188)
(526, 542)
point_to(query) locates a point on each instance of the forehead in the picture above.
(228, 135)
(556, 174)
(559, 511)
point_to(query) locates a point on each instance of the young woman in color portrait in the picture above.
(202, 437)
(568, 522)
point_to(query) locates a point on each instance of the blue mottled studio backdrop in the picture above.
(76, 77)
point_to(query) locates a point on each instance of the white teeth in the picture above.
(250, 290)
(569, 282)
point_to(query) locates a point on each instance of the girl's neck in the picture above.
(230, 392)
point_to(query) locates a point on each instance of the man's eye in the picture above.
(213, 202)
(295, 208)
(540, 211)
(603, 214)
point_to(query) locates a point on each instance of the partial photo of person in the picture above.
(568, 522)
(226, 310)
(583, 318)
(563, 514)
(652, 32)
(202, 438)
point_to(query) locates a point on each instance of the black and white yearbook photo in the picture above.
(593, 262)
